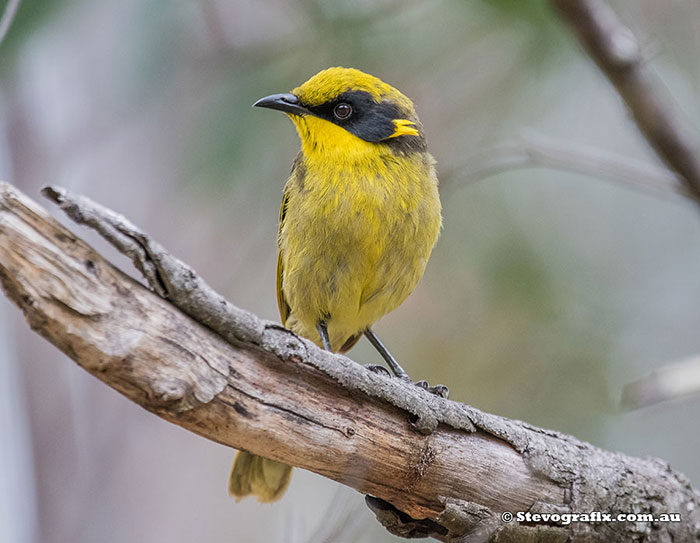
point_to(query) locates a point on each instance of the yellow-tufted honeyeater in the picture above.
(360, 215)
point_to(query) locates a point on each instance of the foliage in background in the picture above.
(546, 292)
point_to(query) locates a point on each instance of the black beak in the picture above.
(282, 102)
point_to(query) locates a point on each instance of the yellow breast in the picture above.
(359, 226)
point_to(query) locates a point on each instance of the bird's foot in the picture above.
(381, 370)
(438, 390)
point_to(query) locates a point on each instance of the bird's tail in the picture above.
(252, 474)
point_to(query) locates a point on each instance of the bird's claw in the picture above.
(438, 390)
(381, 370)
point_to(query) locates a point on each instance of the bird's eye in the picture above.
(342, 111)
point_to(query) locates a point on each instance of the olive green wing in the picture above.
(282, 304)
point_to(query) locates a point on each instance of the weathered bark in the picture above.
(251, 384)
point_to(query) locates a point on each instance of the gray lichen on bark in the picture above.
(588, 478)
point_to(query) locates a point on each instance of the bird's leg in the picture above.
(386, 355)
(322, 328)
(439, 390)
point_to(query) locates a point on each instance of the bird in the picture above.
(359, 218)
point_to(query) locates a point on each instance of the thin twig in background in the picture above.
(7, 17)
(537, 151)
(616, 51)
(437, 468)
(672, 381)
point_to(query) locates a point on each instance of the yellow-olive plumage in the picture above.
(360, 215)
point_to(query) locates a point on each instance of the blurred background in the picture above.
(547, 292)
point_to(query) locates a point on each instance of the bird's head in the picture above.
(344, 109)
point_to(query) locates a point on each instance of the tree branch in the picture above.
(669, 382)
(8, 16)
(447, 469)
(616, 51)
(533, 150)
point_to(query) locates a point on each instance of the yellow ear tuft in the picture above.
(404, 127)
